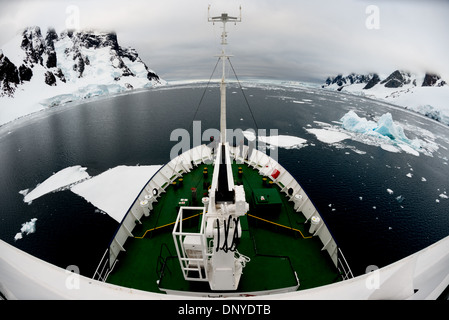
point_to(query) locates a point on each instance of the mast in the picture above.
(224, 18)
(210, 254)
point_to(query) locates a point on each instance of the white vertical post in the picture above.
(223, 100)
(223, 18)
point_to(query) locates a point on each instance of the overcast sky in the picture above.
(287, 39)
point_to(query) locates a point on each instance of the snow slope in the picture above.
(413, 92)
(66, 67)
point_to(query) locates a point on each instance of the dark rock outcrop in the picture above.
(374, 80)
(50, 78)
(433, 80)
(9, 76)
(40, 50)
(396, 79)
(25, 73)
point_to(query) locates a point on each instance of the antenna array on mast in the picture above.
(224, 18)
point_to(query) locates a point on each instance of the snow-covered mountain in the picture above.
(39, 70)
(396, 79)
(427, 93)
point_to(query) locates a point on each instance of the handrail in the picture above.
(199, 149)
(256, 160)
(347, 272)
(105, 263)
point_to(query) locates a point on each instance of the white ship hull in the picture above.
(423, 275)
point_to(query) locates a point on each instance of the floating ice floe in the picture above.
(282, 141)
(384, 133)
(385, 129)
(60, 180)
(114, 190)
(389, 147)
(385, 126)
(329, 136)
(388, 134)
(27, 228)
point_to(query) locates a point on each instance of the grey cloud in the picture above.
(290, 39)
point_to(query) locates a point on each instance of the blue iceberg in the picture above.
(384, 127)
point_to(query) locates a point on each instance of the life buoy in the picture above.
(275, 173)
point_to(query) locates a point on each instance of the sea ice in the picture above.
(389, 147)
(250, 135)
(328, 136)
(24, 192)
(352, 122)
(283, 141)
(390, 135)
(114, 190)
(408, 149)
(27, 228)
(385, 126)
(61, 179)
(390, 191)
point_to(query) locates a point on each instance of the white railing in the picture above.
(143, 203)
(302, 203)
(184, 163)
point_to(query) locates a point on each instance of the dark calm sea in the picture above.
(348, 182)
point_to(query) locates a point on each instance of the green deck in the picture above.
(277, 242)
